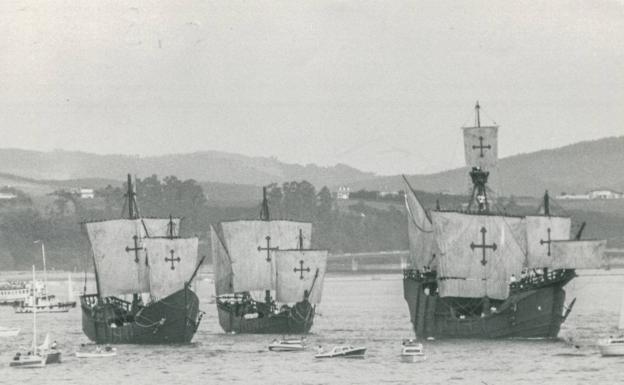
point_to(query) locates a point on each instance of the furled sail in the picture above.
(249, 244)
(299, 271)
(222, 265)
(172, 261)
(541, 231)
(585, 254)
(478, 253)
(481, 147)
(420, 231)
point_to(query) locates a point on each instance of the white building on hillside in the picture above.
(343, 193)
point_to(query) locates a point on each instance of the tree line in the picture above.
(351, 227)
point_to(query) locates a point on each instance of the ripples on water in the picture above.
(359, 310)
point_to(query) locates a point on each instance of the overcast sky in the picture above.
(382, 86)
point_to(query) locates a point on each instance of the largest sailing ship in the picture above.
(480, 273)
(270, 258)
(146, 259)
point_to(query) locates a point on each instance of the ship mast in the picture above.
(478, 176)
(264, 209)
(265, 216)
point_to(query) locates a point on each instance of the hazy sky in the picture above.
(383, 86)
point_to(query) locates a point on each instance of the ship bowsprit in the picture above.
(173, 319)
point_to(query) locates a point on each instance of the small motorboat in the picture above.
(8, 332)
(612, 347)
(346, 351)
(288, 345)
(412, 351)
(99, 352)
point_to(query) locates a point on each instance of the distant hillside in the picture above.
(208, 166)
(575, 168)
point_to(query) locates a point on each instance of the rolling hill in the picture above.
(574, 168)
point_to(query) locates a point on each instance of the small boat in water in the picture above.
(288, 345)
(41, 355)
(107, 351)
(412, 351)
(345, 351)
(612, 347)
(8, 332)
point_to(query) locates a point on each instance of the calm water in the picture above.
(360, 310)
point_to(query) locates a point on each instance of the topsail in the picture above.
(481, 147)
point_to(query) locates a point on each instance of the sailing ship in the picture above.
(270, 258)
(144, 258)
(481, 273)
(41, 355)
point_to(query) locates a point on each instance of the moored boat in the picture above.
(345, 351)
(267, 279)
(480, 272)
(412, 351)
(40, 355)
(612, 347)
(146, 259)
(288, 345)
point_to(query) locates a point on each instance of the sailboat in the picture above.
(272, 258)
(43, 301)
(142, 258)
(481, 273)
(41, 355)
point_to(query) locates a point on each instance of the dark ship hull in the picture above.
(534, 309)
(297, 319)
(173, 319)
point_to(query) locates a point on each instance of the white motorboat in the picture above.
(612, 347)
(345, 351)
(288, 345)
(9, 332)
(412, 351)
(107, 351)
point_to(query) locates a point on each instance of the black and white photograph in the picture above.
(311, 192)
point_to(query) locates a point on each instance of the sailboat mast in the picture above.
(34, 312)
(45, 271)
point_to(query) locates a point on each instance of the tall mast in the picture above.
(34, 313)
(132, 212)
(546, 204)
(264, 210)
(45, 273)
(477, 115)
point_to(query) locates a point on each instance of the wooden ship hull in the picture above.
(173, 319)
(297, 319)
(534, 309)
